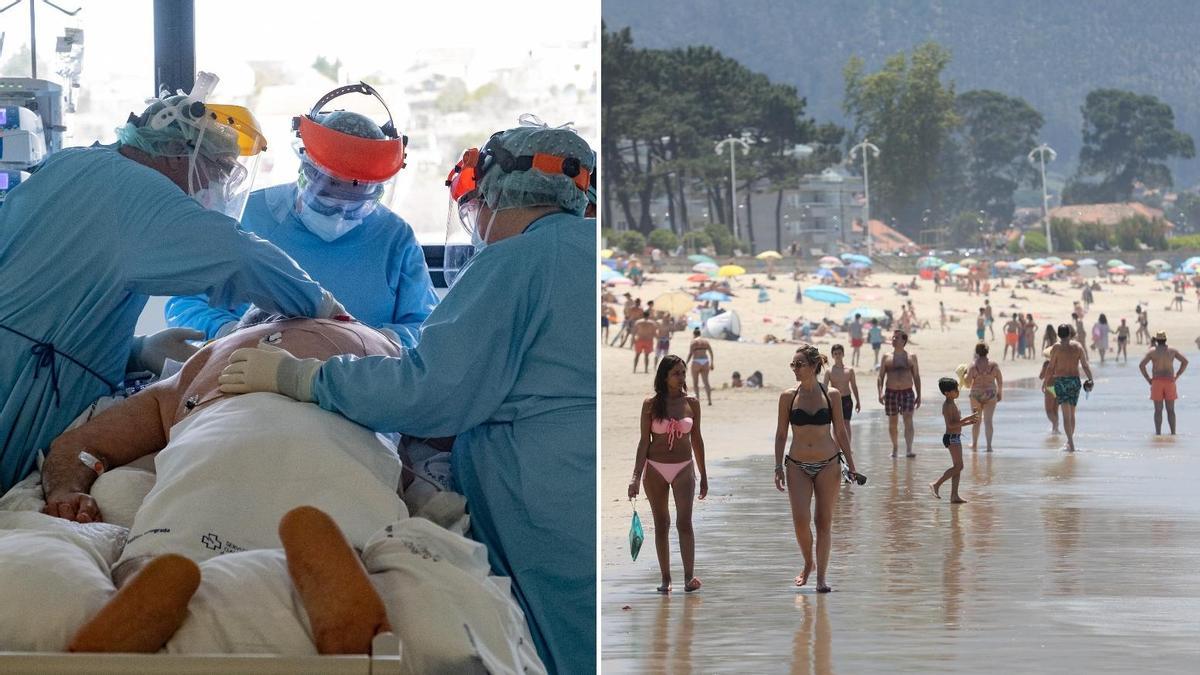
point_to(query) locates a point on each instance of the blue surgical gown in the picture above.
(507, 362)
(377, 270)
(83, 243)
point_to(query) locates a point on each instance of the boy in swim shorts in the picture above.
(952, 439)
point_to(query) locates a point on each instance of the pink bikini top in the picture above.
(672, 428)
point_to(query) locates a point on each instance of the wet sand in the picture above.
(1080, 562)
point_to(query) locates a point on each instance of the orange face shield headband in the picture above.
(464, 178)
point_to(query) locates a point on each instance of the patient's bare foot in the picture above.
(145, 612)
(343, 607)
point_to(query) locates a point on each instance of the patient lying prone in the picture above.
(237, 473)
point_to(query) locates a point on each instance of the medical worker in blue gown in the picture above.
(95, 231)
(330, 221)
(507, 363)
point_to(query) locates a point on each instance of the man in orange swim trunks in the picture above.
(644, 333)
(1162, 384)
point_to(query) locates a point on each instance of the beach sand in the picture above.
(741, 422)
(1059, 562)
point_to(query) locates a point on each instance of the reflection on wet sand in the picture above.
(1059, 562)
(812, 648)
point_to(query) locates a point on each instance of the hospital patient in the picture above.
(236, 473)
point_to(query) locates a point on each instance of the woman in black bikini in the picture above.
(670, 436)
(814, 416)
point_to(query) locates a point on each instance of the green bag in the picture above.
(636, 536)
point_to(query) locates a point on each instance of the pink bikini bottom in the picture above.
(669, 470)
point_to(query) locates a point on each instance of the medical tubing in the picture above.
(45, 353)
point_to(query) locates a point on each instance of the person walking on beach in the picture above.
(988, 319)
(839, 377)
(898, 378)
(1162, 384)
(1010, 338)
(875, 337)
(987, 389)
(663, 346)
(952, 439)
(813, 414)
(703, 361)
(1049, 338)
(942, 314)
(1122, 341)
(1030, 337)
(980, 323)
(1143, 322)
(1078, 328)
(1022, 335)
(671, 445)
(856, 339)
(644, 333)
(1100, 336)
(1066, 359)
(1048, 398)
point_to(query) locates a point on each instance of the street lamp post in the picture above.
(866, 148)
(1041, 151)
(720, 147)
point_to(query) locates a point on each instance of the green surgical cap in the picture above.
(351, 123)
(177, 139)
(521, 189)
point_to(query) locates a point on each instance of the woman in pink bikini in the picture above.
(813, 464)
(669, 438)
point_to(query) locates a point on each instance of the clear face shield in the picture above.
(225, 151)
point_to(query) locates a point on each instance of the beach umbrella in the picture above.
(606, 253)
(1127, 267)
(1116, 270)
(967, 262)
(960, 272)
(1157, 263)
(827, 294)
(1001, 264)
(1089, 271)
(853, 258)
(1033, 270)
(699, 276)
(1044, 272)
(769, 255)
(619, 281)
(825, 273)
(1054, 259)
(731, 270)
(607, 274)
(948, 267)
(1060, 268)
(701, 258)
(1069, 263)
(1088, 261)
(930, 261)
(1025, 262)
(829, 260)
(1015, 267)
(859, 266)
(1040, 261)
(675, 302)
(705, 267)
(611, 264)
(1114, 262)
(867, 313)
(1163, 276)
(713, 296)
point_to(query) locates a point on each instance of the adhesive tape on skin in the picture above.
(91, 461)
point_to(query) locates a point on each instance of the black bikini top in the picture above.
(802, 418)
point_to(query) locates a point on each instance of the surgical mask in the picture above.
(327, 227)
(468, 214)
(210, 199)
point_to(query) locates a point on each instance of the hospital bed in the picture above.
(249, 604)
